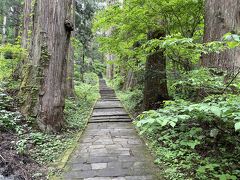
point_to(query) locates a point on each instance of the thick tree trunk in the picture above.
(27, 21)
(221, 17)
(43, 87)
(155, 86)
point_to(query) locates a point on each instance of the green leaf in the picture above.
(237, 126)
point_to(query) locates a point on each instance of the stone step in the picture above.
(110, 117)
(108, 107)
(109, 120)
(110, 99)
(97, 114)
(108, 104)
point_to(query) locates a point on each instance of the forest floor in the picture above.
(110, 147)
(14, 165)
(26, 153)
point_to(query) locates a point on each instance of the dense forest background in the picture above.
(174, 64)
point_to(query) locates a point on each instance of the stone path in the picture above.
(110, 148)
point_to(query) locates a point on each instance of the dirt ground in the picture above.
(17, 166)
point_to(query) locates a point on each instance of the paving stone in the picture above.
(99, 165)
(140, 178)
(81, 167)
(119, 178)
(98, 178)
(110, 150)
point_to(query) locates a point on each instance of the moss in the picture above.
(45, 56)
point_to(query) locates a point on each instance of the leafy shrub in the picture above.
(189, 138)
(9, 116)
(90, 78)
(132, 100)
(10, 55)
(99, 67)
(117, 82)
(197, 84)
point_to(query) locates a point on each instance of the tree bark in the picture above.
(70, 73)
(43, 88)
(110, 66)
(130, 81)
(4, 30)
(70, 60)
(27, 21)
(155, 86)
(25, 39)
(221, 17)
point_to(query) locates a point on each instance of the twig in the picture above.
(2, 158)
(236, 75)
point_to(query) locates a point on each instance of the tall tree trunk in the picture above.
(110, 66)
(70, 73)
(17, 10)
(70, 60)
(129, 81)
(155, 86)
(27, 21)
(4, 30)
(43, 87)
(25, 39)
(221, 17)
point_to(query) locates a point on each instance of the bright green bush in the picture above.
(132, 100)
(195, 140)
(9, 116)
(10, 56)
(198, 84)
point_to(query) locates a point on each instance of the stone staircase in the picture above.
(108, 108)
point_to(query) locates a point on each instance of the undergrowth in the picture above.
(196, 135)
(46, 148)
(195, 140)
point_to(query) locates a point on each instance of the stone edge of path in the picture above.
(61, 163)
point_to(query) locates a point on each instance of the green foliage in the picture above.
(47, 148)
(197, 84)
(132, 22)
(189, 138)
(99, 67)
(42, 147)
(10, 118)
(10, 56)
(132, 100)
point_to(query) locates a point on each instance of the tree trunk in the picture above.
(70, 61)
(4, 30)
(27, 21)
(43, 87)
(110, 66)
(155, 86)
(25, 39)
(70, 73)
(129, 81)
(221, 17)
